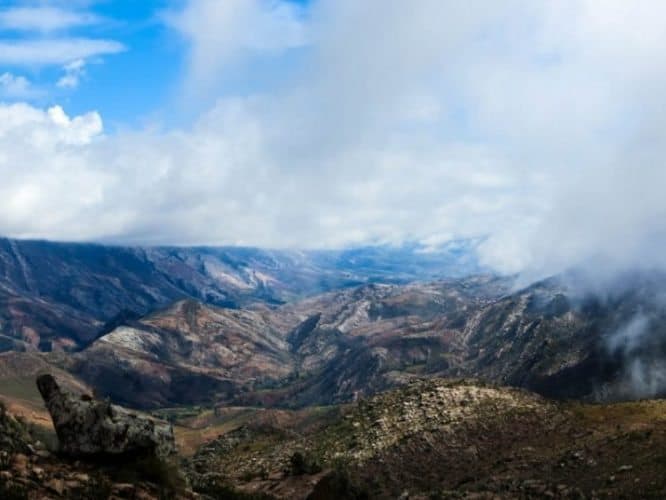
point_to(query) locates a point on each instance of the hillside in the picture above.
(187, 353)
(431, 438)
(343, 345)
(61, 296)
(331, 348)
(447, 439)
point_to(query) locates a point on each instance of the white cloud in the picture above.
(539, 125)
(44, 35)
(222, 33)
(74, 71)
(217, 183)
(44, 19)
(55, 51)
(14, 87)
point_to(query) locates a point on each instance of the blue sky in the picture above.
(126, 86)
(129, 84)
(337, 123)
(141, 79)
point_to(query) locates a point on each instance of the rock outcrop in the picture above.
(87, 427)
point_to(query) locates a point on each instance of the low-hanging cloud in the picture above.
(538, 125)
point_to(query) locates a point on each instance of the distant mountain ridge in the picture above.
(154, 327)
(343, 345)
(56, 296)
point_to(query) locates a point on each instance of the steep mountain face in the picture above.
(554, 337)
(333, 347)
(375, 337)
(187, 353)
(31, 323)
(56, 296)
(565, 339)
(560, 337)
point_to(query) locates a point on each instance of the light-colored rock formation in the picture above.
(88, 427)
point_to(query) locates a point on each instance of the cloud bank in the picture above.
(537, 125)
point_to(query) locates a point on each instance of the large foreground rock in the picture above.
(88, 427)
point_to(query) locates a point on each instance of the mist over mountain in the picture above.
(512, 124)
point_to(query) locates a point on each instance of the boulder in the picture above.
(88, 427)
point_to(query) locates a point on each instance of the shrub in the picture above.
(163, 473)
(338, 485)
(304, 464)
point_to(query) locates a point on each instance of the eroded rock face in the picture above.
(88, 427)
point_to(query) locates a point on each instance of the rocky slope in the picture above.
(431, 438)
(28, 470)
(447, 439)
(59, 296)
(327, 349)
(567, 339)
(340, 346)
(185, 354)
(556, 337)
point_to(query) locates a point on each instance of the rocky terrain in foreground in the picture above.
(432, 438)
(29, 469)
(448, 439)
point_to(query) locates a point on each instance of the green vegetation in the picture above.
(20, 388)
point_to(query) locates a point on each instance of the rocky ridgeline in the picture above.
(435, 438)
(435, 406)
(261, 458)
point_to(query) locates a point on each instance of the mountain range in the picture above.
(340, 374)
(61, 296)
(165, 327)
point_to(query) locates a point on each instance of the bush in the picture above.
(338, 485)
(304, 464)
(163, 473)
